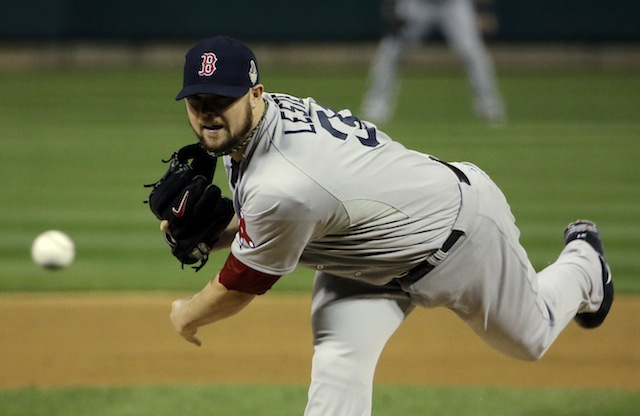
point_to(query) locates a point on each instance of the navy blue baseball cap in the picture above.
(220, 65)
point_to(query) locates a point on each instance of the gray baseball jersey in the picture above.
(327, 193)
(326, 190)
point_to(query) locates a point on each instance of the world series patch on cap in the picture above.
(220, 65)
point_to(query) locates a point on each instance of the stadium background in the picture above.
(329, 20)
(521, 33)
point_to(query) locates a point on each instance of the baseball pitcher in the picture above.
(386, 229)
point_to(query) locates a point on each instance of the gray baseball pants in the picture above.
(487, 280)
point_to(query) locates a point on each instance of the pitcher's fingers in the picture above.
(164, 226)
(192, 338)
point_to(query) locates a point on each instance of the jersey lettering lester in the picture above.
(329, 191)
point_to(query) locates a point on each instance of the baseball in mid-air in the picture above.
(53, 250)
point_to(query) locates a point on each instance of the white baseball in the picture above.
(53, 250)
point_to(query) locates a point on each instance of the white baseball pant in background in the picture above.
(457, 21)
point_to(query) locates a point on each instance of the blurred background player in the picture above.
(408, 21)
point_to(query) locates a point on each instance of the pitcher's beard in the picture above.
(235, 142)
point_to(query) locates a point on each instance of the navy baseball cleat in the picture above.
(587, 231)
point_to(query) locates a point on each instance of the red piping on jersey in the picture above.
(237, 276)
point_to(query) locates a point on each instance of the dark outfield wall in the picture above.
(299, 20)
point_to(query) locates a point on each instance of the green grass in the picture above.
(76, 147)
(247, 400)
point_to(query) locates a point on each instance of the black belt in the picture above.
(432, 261)
(460, 174)
(436, 257)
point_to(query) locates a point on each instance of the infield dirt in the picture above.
(56, 340)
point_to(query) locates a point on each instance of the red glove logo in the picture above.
(179, 211)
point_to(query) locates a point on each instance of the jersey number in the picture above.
(340, 127)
